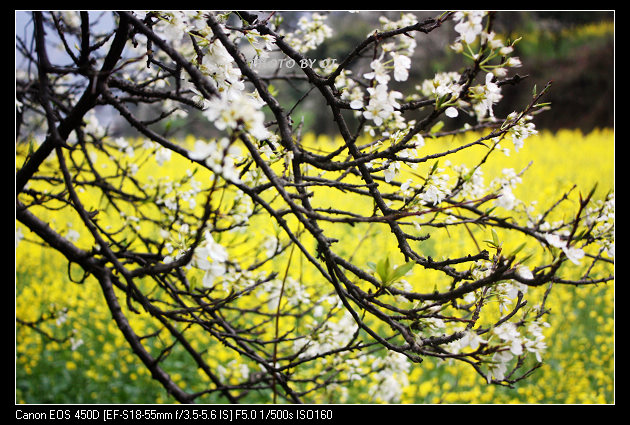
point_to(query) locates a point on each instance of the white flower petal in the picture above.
(451, 112)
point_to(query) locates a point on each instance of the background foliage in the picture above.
(575, 49)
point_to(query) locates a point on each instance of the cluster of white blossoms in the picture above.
(506, 291)
(236, 109)
(383, 105)
(291, 291)
(601, 218)
(469, 26)
(573, 253)
(391, 370)
(521, 130)
(124, 146)
(473, 186)
(262, 44)
(233, 107)
(431, 325)
(436, 189)
(242, 209)
(162, 155)
(351, 91)
(503, 292)
(174, 25)
(219, 155)
(220, 67)
(311, 31)
(485, 96)
(510, 340)
(327, 336)
(513, 344)
(209, 256)
(504, 186)
(470, 29)
(390, 378)
(441, 85)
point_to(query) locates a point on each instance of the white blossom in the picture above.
(498, 367)
(382, 104)
(402, 63)
(574, 254)
(508, 333)
(391, 377)
(261, 43)
(554, 240)
(506, 198)
(229, 112)
(451, 112)
(524, 272)
(310, 33)
(162, 155)
(469, 24)
(124, 146)
(392, 171)
(331, 335)
(493, 41)
(436, 190)
(219, 155)
(520, 131)
(75, 343)
(442, 84)
(535, 343)
(72, 235)
(355, 96)
(471, 339)
(485, 96)
(210, 257)
(513, 62)
(379, 72)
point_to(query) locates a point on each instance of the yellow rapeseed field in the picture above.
(76, 354)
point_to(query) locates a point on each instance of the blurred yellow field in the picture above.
(81, 347)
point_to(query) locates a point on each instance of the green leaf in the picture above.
(401, 271)
(31, 147)
(490, 243)
(518, 249)
(489, 210)
(469, 175)
(272, 90)
(434, 167)
(495, 237)
(382, 269)
(388, 274)
(436, 127)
